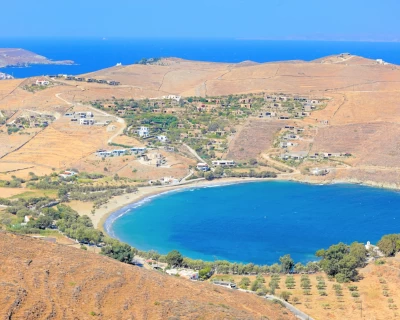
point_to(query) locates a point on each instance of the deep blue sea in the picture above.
(258, 222)
(92, 54)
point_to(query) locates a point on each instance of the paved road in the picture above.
(298, 313)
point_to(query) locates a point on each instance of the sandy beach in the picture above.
(124, 200)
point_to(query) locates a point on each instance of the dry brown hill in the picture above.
(362, 112)
(40, 280)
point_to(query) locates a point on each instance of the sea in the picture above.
(257, 222)
(91, 54)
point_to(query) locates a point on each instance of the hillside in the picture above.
(40, 280)
(358, 115)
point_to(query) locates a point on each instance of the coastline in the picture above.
(127, 201)
(118, 203)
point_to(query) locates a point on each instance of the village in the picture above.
(209, 125)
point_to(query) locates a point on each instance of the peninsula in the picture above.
(16, 57)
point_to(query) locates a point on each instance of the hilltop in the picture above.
(11, 57)
(41, 280)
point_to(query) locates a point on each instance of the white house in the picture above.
(202, 166)
(143, 132)
(172, 97)
(224, 163)
(162, 138)
(42, 82)
(67, 174)
(86, 122)
(319, 172)
(85, 114)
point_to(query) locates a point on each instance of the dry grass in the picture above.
(255, 137)
(42, 280)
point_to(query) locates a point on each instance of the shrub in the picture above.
(386, 293)
(355, 294)
(285, 295)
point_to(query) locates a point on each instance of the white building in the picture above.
(42, 82)
(224, 163)
(143, 132)
(85, 114)
(380, 61)
(172, 97)
(67, 174)
(202, 166)
(319, 172)
(86, 122)
(162, 138)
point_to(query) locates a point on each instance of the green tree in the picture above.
(358, 251)
(117, 250)
(174, 258)
(244, 283)
(205, 273)
(389, 244)
(209, 176)
(287, 263)
(275, 268)
(42, 222)
(338, 262)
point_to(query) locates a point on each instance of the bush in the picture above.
(285, 295)
(244, 283)
(355, 294)
(389, 244)
(118, 250)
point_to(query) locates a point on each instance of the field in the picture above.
(376, 296)
(255, 137)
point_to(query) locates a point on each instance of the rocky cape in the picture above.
(16, 57)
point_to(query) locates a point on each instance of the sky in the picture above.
(243, 19)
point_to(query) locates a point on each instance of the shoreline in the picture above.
(128, 201)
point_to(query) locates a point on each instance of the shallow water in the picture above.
(258, 222)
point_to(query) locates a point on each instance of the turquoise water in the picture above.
(258, 222)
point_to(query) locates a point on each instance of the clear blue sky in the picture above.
(277, 19)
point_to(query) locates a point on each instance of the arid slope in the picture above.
(40, 280)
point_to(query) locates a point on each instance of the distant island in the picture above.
(15, 57)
